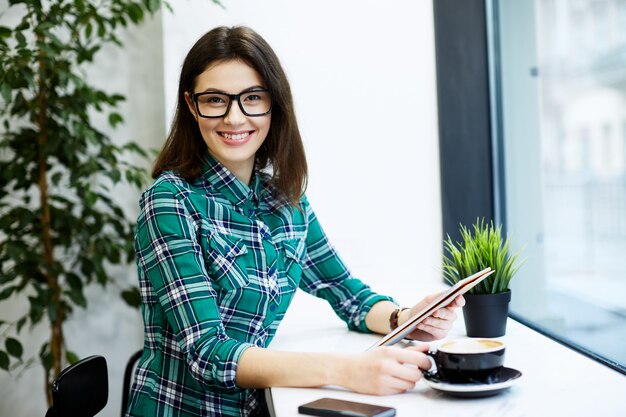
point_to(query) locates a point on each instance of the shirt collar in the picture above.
(231, 187)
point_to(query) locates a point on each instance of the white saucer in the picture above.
(503, 380)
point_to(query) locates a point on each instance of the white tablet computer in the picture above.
(443, 300)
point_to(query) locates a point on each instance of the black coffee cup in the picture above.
(468, 360)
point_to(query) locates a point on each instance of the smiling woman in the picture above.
(226, 236)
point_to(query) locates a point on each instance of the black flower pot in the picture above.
(486, 314)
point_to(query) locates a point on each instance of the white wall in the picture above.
(374, 175)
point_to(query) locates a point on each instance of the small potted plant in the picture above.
(487, 304)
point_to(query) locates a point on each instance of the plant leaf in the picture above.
(71, 357)
(481, 246)
(115, 119)
(132, 297)
(4, 360)
(14, 347)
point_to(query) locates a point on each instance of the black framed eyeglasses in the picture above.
(253, 103)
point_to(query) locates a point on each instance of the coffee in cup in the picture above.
(468, 360)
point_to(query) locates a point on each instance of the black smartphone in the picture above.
(342, 408)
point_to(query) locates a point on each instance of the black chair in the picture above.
(128, 376)
(81, 389)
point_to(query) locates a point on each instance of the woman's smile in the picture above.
(236, 138)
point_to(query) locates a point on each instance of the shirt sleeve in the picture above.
(324, 275)
(170, 257)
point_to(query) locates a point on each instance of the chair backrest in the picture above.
(81, 389)
(128, 376)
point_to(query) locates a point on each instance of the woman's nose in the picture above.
(234, 116)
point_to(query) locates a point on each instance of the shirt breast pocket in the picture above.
(293, 255)
(226, 261)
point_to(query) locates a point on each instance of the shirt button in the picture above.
(272, 308)
(266, 236)
(250, 212)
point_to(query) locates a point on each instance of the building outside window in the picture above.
(561, 97)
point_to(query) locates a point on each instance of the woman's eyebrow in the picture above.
(215, 90)
(255, 87)
(212, 90)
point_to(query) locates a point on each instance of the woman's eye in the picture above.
(212, 100)
(253, 97)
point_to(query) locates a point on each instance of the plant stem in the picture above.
(56, 337)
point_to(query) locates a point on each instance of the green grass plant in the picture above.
(481, 247)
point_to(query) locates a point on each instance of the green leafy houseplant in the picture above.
(487, 304)
(481, 247)
(60, 228)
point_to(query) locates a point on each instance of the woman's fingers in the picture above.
(409, 362)
(412, 356)
(410, 373)
(440, 322)
(444, 314)
(441, 319)
(459, 301)
(437, 325)
(435, 333)
(389, 370)
(398, 385)
(404, 372)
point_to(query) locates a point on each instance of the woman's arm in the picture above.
(377, 320)
(382, 371)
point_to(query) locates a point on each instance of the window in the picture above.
(561, 68)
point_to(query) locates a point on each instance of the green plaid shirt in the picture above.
(219, 263)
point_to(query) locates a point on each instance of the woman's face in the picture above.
(233, 139)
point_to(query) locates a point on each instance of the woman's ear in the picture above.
(190, 105)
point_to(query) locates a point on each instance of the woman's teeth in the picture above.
(238, 136)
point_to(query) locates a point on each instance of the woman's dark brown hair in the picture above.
(282, 149)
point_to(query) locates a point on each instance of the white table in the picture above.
(556, 381)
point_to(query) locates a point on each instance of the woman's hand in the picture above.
(385, 370)
(437, 325)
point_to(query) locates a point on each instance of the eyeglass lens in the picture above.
(253, 103)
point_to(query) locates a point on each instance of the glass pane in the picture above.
(212, 104)
(256, 102)
(577, 196)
